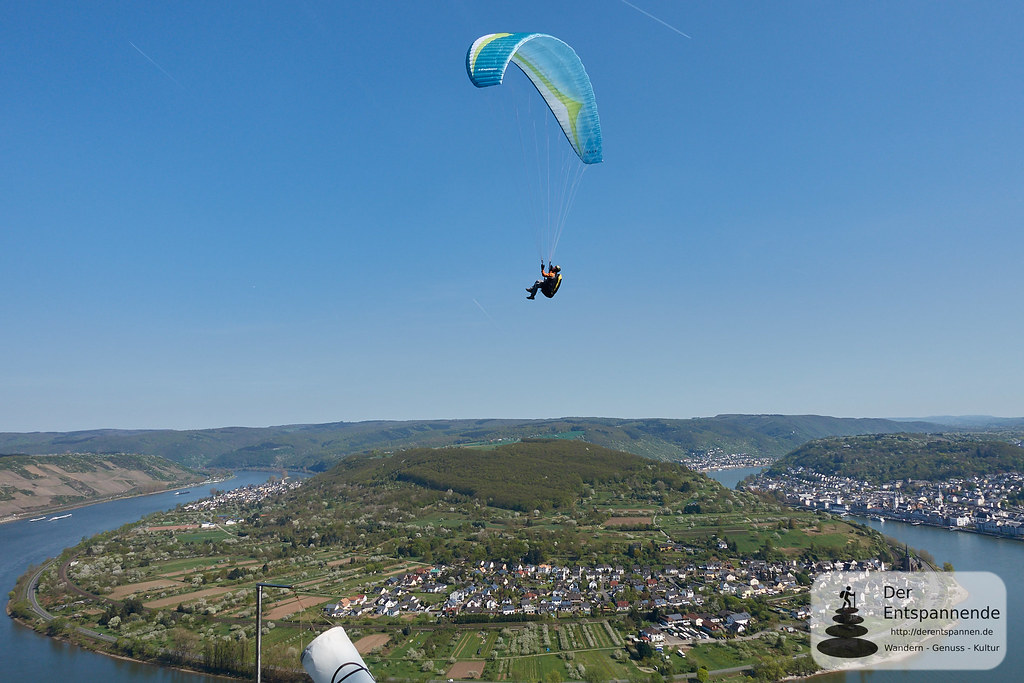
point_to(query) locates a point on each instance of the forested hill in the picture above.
(888, 457)
(534, 474)
(537, 474)
(320, 446)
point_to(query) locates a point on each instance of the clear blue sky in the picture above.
(241, 213)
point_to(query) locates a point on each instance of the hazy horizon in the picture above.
(938, 419)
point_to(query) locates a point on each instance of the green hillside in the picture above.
(888, 457)
(535, 474)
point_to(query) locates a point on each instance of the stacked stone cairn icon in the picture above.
(846, 641)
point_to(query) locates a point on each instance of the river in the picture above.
(729, 478)
(27, 656)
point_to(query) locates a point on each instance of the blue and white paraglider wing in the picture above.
(558, 74)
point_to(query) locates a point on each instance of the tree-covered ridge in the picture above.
(888, 457)
(319, 446)
(534, 474)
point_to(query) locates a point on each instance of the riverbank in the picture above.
(926, 523)
(32, 655)
(98, 643)
(69, 507)
(33, 484)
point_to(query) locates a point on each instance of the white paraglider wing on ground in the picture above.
(332, 658)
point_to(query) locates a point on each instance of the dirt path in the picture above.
(176, 600)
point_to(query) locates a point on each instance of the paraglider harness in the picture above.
(550, 282)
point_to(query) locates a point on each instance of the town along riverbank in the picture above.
(966, 552)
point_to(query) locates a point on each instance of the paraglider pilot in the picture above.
(550, 282)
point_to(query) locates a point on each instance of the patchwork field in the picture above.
(122, 592)
(463, 670)
(367, 644)
(629, 521)
(176, 600)
(536, 668)
(293, 605)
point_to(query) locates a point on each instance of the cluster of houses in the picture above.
(676, 593)
(695, 626)
(244, 495)
(969, 504)
(718, 459)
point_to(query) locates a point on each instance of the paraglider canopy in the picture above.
(558, 74)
